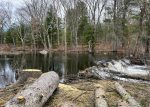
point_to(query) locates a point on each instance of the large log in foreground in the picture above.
(38, 93)
(126, 96)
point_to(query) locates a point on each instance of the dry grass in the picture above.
(81, 92)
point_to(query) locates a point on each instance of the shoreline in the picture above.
(11, 50)
(7, 49)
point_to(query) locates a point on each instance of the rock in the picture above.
(44, 52)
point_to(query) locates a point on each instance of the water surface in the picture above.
(64, 64)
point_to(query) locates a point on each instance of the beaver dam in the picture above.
(102, 81)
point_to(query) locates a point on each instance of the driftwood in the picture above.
(100, 98)
(126, 96)
(102, 73)
(38, 93)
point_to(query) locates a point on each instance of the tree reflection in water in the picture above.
(64, 64)
(7, 75)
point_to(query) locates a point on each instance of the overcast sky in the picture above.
(15, 3)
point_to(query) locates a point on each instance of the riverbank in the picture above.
(81, 92)
(6, 49)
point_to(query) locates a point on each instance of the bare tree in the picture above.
(5, 18)
(65, 4)
(147, 12)
(37, 10)
(57, 8)
(142, 5)
(21, 31)
(95, 8)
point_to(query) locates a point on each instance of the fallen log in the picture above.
(126, 96)
(37, 94)
(100, 98)
(123, 104)
(102, 73)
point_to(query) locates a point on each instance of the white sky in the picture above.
(15, 3)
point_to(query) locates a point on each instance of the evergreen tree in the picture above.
(51, 25)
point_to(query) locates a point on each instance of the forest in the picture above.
(74, 53)
(62, 24)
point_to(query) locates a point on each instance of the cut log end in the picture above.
(28, 73)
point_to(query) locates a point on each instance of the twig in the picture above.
(79, 96)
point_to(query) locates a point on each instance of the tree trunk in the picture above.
(115, 43)
(23, 43)
(34, 42)
(147, 46)
(148, 39)
(49, 43)
(124, 24)
(65, 34)
(38, 93)
(99, 98)
(137, 45)
(126, 96)
(58, 33)
(44, 42)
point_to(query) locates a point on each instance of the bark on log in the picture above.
(126, 96)
(100, 73)
(38, 93)
(123, 104)
(100, 98)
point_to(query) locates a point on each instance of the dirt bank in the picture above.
(81, 92)
(6, 49)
